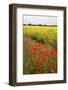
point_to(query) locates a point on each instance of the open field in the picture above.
(42, 33)
(40, 49)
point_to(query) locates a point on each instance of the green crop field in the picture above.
(40, 49)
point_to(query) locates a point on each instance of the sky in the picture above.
(44, 20)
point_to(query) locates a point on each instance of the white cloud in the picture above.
(44, 20)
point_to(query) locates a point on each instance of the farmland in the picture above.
(40, 49)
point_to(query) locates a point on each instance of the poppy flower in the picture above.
(45, 48)
(39, 60)
(36, 46)
(52, 52)
(43, 55)
(36, 63)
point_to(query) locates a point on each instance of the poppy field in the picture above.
(39, 49)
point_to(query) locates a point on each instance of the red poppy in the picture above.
(36, 46)
(52, 52)
(36, 63)
(43, 55)
(45, 48)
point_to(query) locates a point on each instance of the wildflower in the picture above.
(36, 46)
(43, 55)
(45, 48)
(52, 52)
(36, 63)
